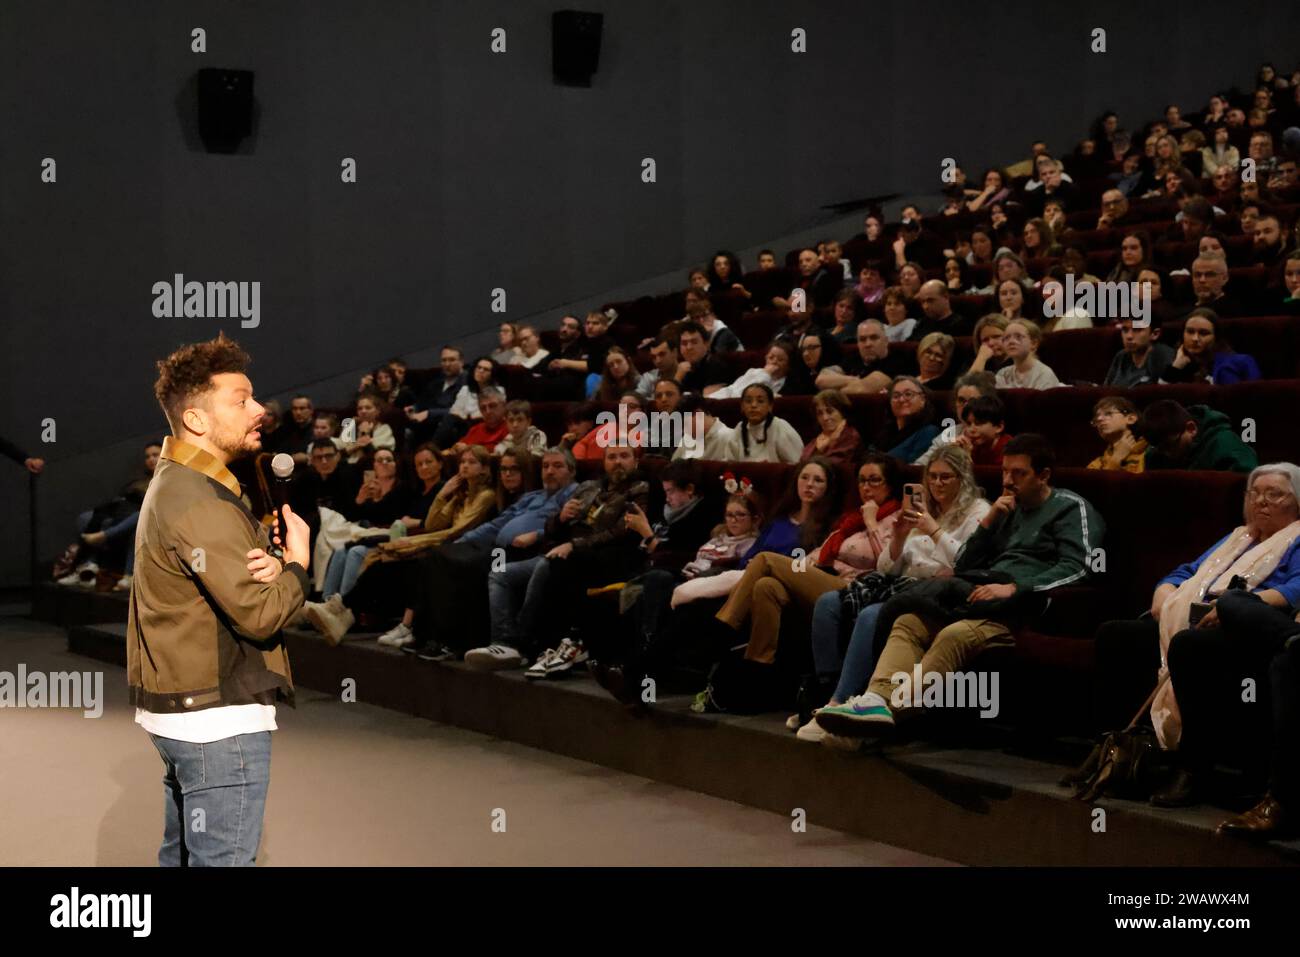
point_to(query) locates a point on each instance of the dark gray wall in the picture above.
(476, 172)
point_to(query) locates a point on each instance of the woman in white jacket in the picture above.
(925, 545)
(761, 436)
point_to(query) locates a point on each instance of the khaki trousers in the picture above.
(771, 582)
(914, 640)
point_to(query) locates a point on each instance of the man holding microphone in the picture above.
(206, 661)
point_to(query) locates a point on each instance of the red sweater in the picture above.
(480, 434)
(990, 454)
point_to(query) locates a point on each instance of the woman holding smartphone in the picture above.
(772, 581)
(937, 518)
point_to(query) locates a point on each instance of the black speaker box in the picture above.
(225, 108)
(575, 46)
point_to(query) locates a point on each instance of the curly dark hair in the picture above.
(187, 373)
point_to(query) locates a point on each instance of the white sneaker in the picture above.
(335, 603)
(327, 621)
(812, 731)
(792, 723)
(397, 637)
(538, 670)
(493, 658)
(569, 653)
(123, 584)
(83, 575)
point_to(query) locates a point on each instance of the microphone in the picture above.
(282, 468)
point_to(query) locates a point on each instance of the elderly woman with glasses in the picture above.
(912, 427)
(1210, 620)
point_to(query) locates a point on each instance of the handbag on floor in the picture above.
(1124, 763)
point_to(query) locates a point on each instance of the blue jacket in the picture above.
(1285, 578)
(529, 514)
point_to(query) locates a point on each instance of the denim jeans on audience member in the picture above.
(856, 666)
(227, 780)
(344, 569)
(507, 592)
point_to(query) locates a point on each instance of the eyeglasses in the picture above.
(737, 515)
(872, 480)
(943, 477)
(1270, 495)
(510, 468)
(907, 394)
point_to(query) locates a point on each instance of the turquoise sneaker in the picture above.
(859, 717)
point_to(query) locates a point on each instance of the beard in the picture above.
(237, 444)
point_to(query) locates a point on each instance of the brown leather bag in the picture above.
(1124, 763)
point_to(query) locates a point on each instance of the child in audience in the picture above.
(984, 430)
(1114, 418)
(1021, 341)
(521, 434)
(763, 436)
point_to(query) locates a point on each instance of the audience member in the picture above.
(1196, 438)
(1114, 418)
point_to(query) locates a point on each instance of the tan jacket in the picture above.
(201, 632)
(447, 520)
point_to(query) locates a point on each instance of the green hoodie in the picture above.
(1216, 447)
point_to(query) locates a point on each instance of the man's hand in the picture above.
(571, 510)
(1211, 619)
(526, 540)
(1003, 506)
(417, 416)
(298, 548)
(561, 551)
(635, 520)
(34, 465)
(263, 567)
(991, 592)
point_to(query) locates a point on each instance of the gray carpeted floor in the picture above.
(356, 784)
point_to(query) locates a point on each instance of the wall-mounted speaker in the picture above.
(575, 46)
(225, 108)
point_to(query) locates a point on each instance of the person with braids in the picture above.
(928, 534)
(763, 436)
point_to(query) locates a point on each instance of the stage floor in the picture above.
(355, 784)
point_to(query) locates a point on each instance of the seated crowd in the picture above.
(446, 511)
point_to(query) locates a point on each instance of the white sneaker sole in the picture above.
(486, 662)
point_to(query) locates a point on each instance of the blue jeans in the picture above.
(859, 660)
(344, 569)
(514, 594)
(215, 795)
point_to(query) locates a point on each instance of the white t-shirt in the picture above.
(210, 724)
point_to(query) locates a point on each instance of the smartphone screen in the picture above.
(912, 492)
(369, 476)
